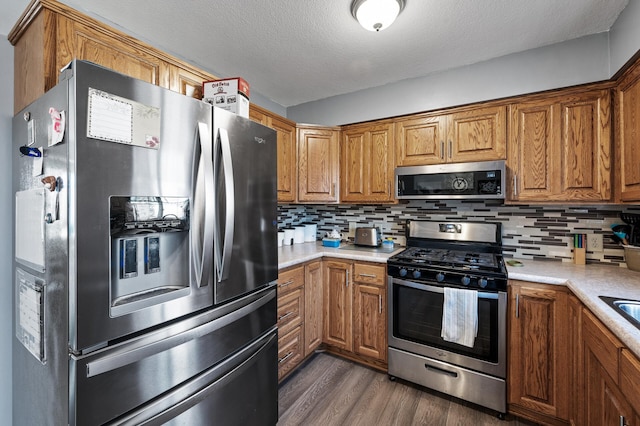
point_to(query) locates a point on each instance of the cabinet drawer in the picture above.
(370, 274)
(603, 344)
(289, 351)
(290, 310)
(630, 378)
(290, 279)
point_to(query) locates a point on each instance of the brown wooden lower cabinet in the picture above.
(290, 351)
(604, 403)
(565, 366)
(338, 304)
(291, 304)
(312, 307)
(538, 379)
(355, 306)
(299, 314)
(370, 311)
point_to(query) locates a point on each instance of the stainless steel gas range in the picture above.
(446, 268)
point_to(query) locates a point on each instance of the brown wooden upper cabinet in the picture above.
(287, 161)
(318, 164)
(367, 163)
(628, 135)
(560, 148)
(477, 134)
(50, 34)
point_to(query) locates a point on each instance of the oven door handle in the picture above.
(441, 371)
(436, 289)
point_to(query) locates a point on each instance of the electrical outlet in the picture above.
(352, 229)
(594, 242)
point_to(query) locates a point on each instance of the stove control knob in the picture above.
(439, 277)
(466, 280)
(403, 272)
(416, 274)
(482, 282)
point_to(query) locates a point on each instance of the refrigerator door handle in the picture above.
(202, 243)
(223, 261)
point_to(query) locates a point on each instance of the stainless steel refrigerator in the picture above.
(145, 258)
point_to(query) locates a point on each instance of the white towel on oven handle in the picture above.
(460, 316)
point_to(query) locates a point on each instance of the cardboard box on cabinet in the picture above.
(231, 94)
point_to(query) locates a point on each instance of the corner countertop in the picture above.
(588, 282)
(304, 252)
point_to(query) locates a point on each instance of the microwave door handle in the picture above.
(223, 261)
(202, 238)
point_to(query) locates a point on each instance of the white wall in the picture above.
(6, 247)
(564, 64)
(625, 36)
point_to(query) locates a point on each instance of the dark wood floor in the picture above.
(328, 390)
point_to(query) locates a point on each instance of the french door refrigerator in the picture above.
(145, 258)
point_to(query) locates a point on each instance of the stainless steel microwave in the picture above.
(479, 180)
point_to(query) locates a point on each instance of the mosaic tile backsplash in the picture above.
(528, 232)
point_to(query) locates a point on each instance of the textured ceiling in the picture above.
(296, 51)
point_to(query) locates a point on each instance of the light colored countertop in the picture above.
(587, 282)
(299, 253)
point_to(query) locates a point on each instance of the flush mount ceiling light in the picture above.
(376, 15)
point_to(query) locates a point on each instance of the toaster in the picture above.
(371, 237)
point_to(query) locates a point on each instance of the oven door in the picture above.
(415, 319)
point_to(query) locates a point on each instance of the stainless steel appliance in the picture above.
(371, 237)
(145, 258)
(482, 180)
(441, 255)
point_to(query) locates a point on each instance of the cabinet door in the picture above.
(420, 141)
(605, 405)
(561, 148)
(287, 161)
(290, 310)
(627, 131)
(630, 378)
(367, 163)
(539, 359)
(312, 307)
(337, 304)
(534, 127)
(287, 164)
(290, 351)
(585, 147)
(318, 162)
(477, 135)
(369, 321)
(370, 310)
(188, 82)
(79, 41)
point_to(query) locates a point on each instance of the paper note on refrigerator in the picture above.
(115, 119)
(29, 241)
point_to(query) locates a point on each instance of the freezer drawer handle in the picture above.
(119, 360)
(223, 262)
(176, 402)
